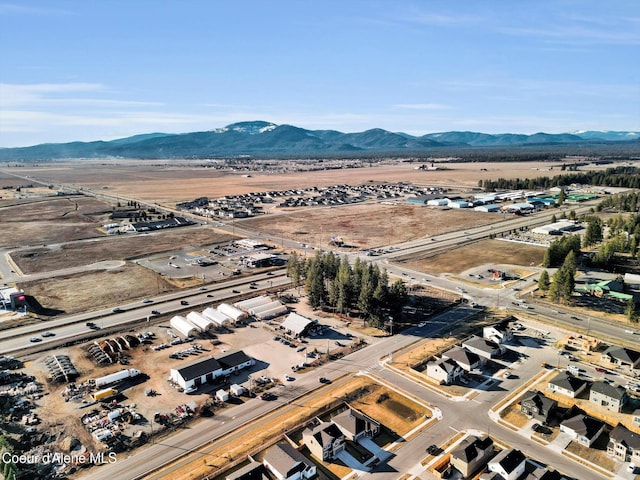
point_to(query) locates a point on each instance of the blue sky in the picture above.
(94, 69)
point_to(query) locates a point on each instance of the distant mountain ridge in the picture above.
(260, 138)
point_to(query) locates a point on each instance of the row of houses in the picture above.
(471, 355)
(325, 441)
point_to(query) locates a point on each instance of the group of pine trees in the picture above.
(627, 177)
(331, 281)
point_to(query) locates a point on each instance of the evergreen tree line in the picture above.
(627, 177)
(557, 252)
(332, 282)
(624, 202)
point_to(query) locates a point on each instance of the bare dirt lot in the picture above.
(81, 292)
(369, 225)
(490, 252)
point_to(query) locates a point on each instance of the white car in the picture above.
(422, 324)
(289, 378)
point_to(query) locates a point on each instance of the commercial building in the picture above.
(206, 370)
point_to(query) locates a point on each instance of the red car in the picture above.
(601, 370)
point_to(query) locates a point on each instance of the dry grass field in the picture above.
(169, 182)
(490, 252)
(369, 225)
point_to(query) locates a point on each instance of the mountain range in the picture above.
(259, 138)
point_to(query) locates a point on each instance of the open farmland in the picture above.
(167, 182)
(51, 219)
(369, 225)
(489, 252)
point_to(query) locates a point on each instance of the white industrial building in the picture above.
(246, 305)
(519, 208)
(437, 202)
(557, 228)
(205, 370)
(183, 326)
(458, 204)
(269, 310)
(200, 321)
(491, 208)
(297, 325)
(220, 319)
(232, 312)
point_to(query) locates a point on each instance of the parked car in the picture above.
(289, 378)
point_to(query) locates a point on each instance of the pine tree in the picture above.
(543, 281)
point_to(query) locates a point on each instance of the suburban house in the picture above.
(624, 444)
(622, 356)
(324, 441)
(509, 464)
(606, 395)
(253, 471)
(471, 454)
(537, 405)
(584, 343)
(287, 463)
(483, 347)
(498, 333)
(566, 384)
(583, 428)
(355, 425)
(464, 358)
(444, 371)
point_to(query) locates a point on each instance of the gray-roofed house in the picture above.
(253, 471)
(623, 356)
(624, 444)
(537, 405)
(287, 463)
(583, 428)
(444, 371)
(566, 384)
(354, 424)
(324, 441)
(471, 454)
(467, 360)
(483, 347)
(498, 333)
(608, 396)
(509, 464)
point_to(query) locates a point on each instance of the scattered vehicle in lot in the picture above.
(48, 334)
(324, 380)
(301, 349)
(276, 338)
(184, 302)
(422, 324)
(147, 300)
(289, 378)
(35, 339)
(267, 396)
(191, 390)
(434, 450)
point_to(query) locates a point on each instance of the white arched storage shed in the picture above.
(232, 312)
(219, 319)
(200, 321)
(183, 326)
